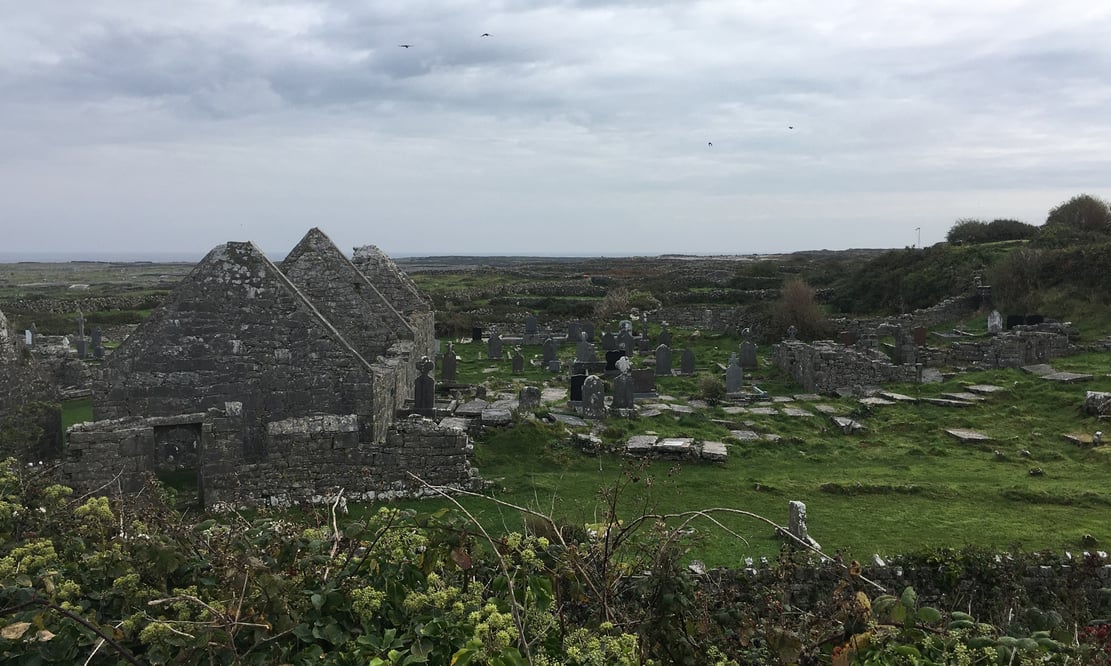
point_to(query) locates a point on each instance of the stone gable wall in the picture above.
(394, 284)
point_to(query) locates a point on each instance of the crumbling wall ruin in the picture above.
(30, 419)
(825, 366)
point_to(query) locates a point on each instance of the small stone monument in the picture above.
(609, 343)
(995, 323)
(796, 524)
(748, 349)
(549, 350)
(82, 345)
(476, 334)
(448, 369)
(554, 366)
(792, 332)
(665, 335)
(584, 351)
(686, 362)
(576, 393)
(494, 347)
(663, 361)
(424, 393)
(734, 375)
(28, 338)
(518, 362)
(530, 324)
(626, 341)
(623, 385)
(98, 344)
(594, 397)
(528, 399)
(574, 331)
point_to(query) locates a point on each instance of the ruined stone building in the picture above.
(276, 384)
(30, 418)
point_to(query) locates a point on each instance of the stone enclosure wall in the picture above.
(30, 419)
(825, 366)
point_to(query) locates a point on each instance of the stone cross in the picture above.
(792, 332)
(448, 371)
(663, 361)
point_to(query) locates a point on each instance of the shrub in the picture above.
(798, 307)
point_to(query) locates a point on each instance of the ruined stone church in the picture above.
(276, 383)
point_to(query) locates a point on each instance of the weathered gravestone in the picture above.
(748, 350)
(611, 358)
(665, 336)
(663, 361)
(574, 331)
(609, 343)
(530, 325)
(594, 397)
(448, 364)
(577, 388)
(588, 328)
(82, 345)
(549, 350)
(584, 351)
(424, 391)
(623, 385)
(644, 382)
(995, 323)
(494, 347)
(554, 366)
(529, 399)
(796, 524)
(686, 362)
(98, 344)
(792, 332)
(518, 362)
(734, 375)
(476, 334)
(626, 341)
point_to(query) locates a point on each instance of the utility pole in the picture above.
(919, 230)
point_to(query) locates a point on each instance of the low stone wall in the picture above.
(824, 366)
(950, 310)
(1022, 345)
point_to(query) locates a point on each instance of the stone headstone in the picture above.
(518, 362)
(626, 341)
(529, 398)
(919, 333)
(734, 376)
(494, 347)
(796, 521)
(584, 351)
(424, 391)
(98, 339)
(625, 325)
(995, 323)
(594, 397)
(663, 361)
(612, 357)
(792, 332)
(549, 351)
(623, 388)
(644, 381)
(82, 348)
(748, 354)
(448, 365)
(686, 362)
(554, 366)
(574, 331)
(847, 338)
(665, 337)
(530, 324)
(588, 328)
(476, 334)
(28, 338)
(577, 387)
(609, 343)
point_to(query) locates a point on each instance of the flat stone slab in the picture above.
(682, 409)
(771, 437)
(714, 452)
(504, 403)
(640, 445)
(948, 402)
(847, 425)
(553, 394)
(649, 413)
(569, 420)
(764, 411)
(807, 397)
(795, 411)
(876, 402)
(897, 397)
(1066, 377)
(455, 422)
(966, 435)
(782, 398)
(964, 395)
(828, 409)
(679, 446)
(734, 409)
(497, 417)
(472, 408)
(1080, 439)
(745, 435)
(985, 389)
(932, 376)
(1040, 369)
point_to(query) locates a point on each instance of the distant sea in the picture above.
(62, 257)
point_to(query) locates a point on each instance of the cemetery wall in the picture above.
(949, 310)
(1022, 345)
(90, 304)
(824, 366)
(715, 318)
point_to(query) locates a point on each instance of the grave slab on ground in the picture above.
(897, 397)
(1066, 377)
(948, 402)
(675, 446)
(471, 409)
(807, 397)
(733, 409)
(984, 389)
(966, 435)
(455, 422)
(782, 398)
(847, 425)
(963, 395)
(745, 435)
(876, 402)
(795, 411)
(552, 394)
(763, 411)
(1039, 369)
(828, 409)
(714, 451)
(649, 412)
(1079, 438)
(569, 420)
(496, 417)
(640, 445)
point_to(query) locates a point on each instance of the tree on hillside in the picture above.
(798, 307)
(1082, 212)
(967, 230)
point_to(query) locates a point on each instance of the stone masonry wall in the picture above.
(25, 394)
(1022, 345)
(825, 366)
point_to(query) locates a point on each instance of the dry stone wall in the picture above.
(27, 410)
(825, 366)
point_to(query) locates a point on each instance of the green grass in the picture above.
(76, 411)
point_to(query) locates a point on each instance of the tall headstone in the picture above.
(748, 350)
(34, 333)
(528, 399)
(626, 341)
(663, 361)
(448, 369)
(796, 521)
(665, 336)
(612, 357)
(518, 362)
(644, 381)
(98, 344)
(609, 343)
(594, 397)
(476, 334)
(530, 324)
(995, 323)
(588, 328)
(494, 347)
(424, 391)
(734, 375)
(82, 344)
(577, 387)
(28, 338)
(686, 362)
(549, 350)
(623, 385)
(584, 351)
(574, 331)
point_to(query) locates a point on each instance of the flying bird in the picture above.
(790, 127)
(485, 34)
(405, 46)
(710, 143)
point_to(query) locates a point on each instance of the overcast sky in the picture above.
(575, 127)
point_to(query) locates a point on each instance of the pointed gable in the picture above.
(344, 295)
(394, 284)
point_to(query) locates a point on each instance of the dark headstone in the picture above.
(584, 351)
(448, 364)
(919, 333)
(609, 343)
(686, 362)
(476, 334)
(623, 391)
(549, 350)
(588, 328)
(424, 392)
(554, 366)
(734, 376)
(529, 398)
(663, 361)
(847, 338)
(518, 362)
(611, 359)
(82, 348)
(665, 337)
(748, 354)
(530, 324)
(574, 331)
(626, 340)
(644, 381)
(577, 387)
(494, 347)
